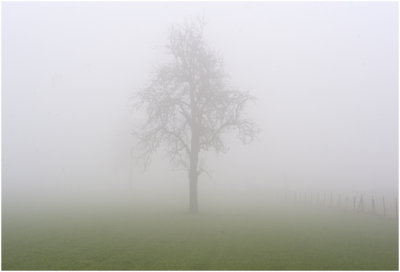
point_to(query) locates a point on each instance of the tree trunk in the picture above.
(193, 173)
(193, 206)
(194, 155)
(193, 178)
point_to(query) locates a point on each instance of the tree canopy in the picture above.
(189, 103)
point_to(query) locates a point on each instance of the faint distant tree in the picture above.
(189, 105)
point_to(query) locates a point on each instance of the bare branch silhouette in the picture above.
(189, 105)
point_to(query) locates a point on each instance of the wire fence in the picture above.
(377, 205)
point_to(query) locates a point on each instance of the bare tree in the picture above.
(189, 105)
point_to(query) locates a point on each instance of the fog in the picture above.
(325, 76)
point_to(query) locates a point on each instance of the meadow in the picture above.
(276, 239)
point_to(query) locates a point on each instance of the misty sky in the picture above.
(325, 76)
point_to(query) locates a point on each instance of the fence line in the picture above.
(373, 204)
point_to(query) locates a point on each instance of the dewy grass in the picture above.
(210, 241)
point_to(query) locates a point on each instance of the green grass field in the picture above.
(274, 240)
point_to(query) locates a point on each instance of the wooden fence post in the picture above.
(361, 204)
(384, 206)
(373, 205)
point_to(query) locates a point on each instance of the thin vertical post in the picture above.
(373, 205)
(361, 204)
(384, 206)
